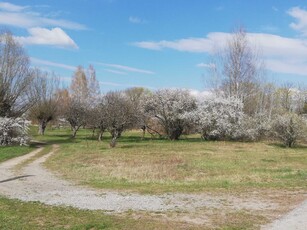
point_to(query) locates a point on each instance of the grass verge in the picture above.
(10, 152)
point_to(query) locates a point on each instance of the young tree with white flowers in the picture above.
(289, 128)
(168, 107)
(13, 131)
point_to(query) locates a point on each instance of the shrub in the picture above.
(218, 118)
(289, 128)
(13, 131)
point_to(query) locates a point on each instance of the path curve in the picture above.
(294, 220)
(35, 183)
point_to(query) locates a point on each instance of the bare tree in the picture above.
(45, 110)
(136, 96)
(77, 110)
(119, 114)
(15, 79)
(236, 70)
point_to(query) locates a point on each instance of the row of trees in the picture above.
(241, 107)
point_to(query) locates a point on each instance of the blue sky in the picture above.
(156, 43)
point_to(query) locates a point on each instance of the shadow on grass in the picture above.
(282, 146)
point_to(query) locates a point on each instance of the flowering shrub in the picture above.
(218, 118)
(13, 131)
(168, 107)
(289, 128)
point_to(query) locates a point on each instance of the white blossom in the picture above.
(13, 131)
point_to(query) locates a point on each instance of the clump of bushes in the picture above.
(13, 131)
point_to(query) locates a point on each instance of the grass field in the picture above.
(158, 166)
(18, 215)
(187, 165)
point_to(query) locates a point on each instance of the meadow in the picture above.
(265, 170)
(187, 165)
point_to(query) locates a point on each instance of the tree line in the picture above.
(241, 105)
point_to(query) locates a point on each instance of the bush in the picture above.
(253, 128)
(218, 118)
(13, 131)
(289, 128)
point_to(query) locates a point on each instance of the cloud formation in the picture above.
(54, 37)
(18, 16)
(301, 19)
(206, 65)
(125, 68)
(37, 61)
(11, 7)
(279, 52)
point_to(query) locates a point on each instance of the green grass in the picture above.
(156, 166)
(187, 165)
(15, 214)
(9, 152)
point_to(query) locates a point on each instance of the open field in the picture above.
(188, 165)
(244, 185)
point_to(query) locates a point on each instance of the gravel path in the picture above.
(35, 183)
(294, 220)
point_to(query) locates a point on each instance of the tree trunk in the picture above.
(115, 135)
(74, 131)
(93, 132)
(175, 133)
(100, 135)
(41, 127)
(143, 131)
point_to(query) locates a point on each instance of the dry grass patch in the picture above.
(186, 165)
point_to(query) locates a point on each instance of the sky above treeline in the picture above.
(156, 43)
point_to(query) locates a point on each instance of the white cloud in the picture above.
(292, 52)
(301, 17)
(200, 94)
(18, 16)
(198, 45)
(136, 20)
(37, 61)
(11, 7)
(125, 68)
(206, 65)
(124, 85)
(41, 36)
(115, 71)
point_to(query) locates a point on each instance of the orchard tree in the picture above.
(168, 107)
(46, 107)
(15, 78)
(136, 96)
(93, 100)
(77, 110)
(118, 114)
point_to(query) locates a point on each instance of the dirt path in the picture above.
(296, 219)
(35, 183)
